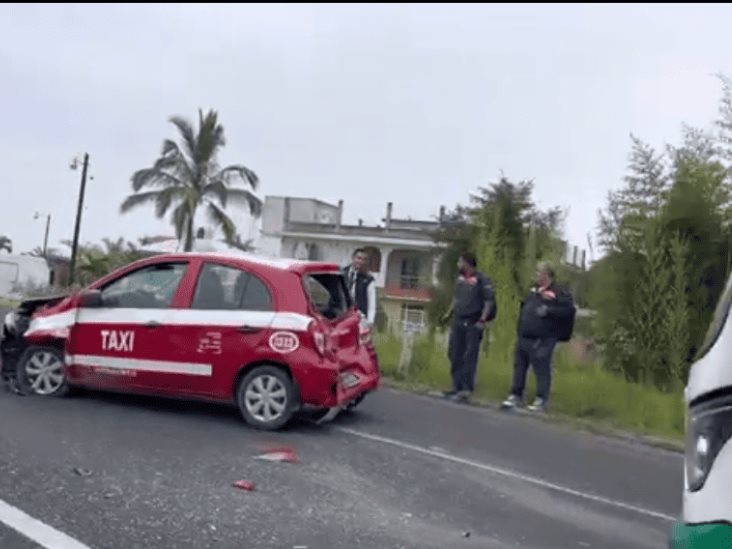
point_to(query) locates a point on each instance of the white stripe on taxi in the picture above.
(132, 364)
(172, 317)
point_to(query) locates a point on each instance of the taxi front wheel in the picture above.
(41, 372)
(266, 398)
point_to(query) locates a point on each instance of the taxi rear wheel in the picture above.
(266, 398)
(41, 372)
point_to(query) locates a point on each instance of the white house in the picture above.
(403, 254)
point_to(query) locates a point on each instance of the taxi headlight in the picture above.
(708, 429)
(9, 321)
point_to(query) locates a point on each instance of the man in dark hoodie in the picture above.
(473, 307)
(542, 315)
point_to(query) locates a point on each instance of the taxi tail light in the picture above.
(318, 336)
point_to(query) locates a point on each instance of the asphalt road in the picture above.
(405, 471)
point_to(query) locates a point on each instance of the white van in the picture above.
(19, 272)
(707, 517)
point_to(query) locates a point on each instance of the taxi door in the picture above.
(124, 334)
(229, 313)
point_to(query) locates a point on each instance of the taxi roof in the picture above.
(278, 263)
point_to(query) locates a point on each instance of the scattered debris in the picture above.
(82, 472)
(244, 485)
(286, 455)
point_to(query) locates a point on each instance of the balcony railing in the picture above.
(411, 282)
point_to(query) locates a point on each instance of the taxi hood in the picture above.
(30, 305)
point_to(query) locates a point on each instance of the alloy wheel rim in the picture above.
(44, 372)
(265, 398)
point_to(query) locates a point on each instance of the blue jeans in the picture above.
(463, 351)
(536, 353)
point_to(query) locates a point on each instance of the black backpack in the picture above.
(565, 327)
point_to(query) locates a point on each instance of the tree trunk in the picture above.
(188, 242)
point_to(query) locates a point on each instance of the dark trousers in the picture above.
(463, 351)
(536, 353)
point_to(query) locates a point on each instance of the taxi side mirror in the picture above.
(90, 299)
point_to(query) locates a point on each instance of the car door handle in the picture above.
(153, 324)
(249, 329)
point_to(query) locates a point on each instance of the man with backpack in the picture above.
(473, 307)
(546, 317)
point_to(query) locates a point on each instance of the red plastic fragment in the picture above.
(287, 455)
(245, 485)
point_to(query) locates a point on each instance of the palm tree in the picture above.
(188, 176)
(38, 252)
(242, 245)
(6, 244)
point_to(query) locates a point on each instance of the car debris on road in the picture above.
(245, 485)
(285, 455)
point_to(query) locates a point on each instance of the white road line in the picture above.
(35, 530)
(507, 473)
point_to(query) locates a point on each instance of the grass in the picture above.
(8, 303)
(599, 399)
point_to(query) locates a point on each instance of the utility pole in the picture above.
(77, 225)
(45, 236)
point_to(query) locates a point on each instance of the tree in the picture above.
(96, 260)
(622, 224)
(676, 323)
(242, 245)
(6, 244)
(38, 252)
(697, 210)
(649, 309)
(187, 177)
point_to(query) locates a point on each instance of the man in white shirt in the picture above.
(361, 285)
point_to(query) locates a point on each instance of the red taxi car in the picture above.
(269, 335)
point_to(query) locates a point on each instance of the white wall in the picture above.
(269, 246)
(273, 214)
(21, 271)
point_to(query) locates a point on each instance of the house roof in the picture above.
(385, 239)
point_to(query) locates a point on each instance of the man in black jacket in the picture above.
(473, 306)
(542, 313)
(361, 285)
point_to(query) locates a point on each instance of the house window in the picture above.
(409, 278)
(314, 253)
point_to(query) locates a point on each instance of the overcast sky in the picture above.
(418, 105)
